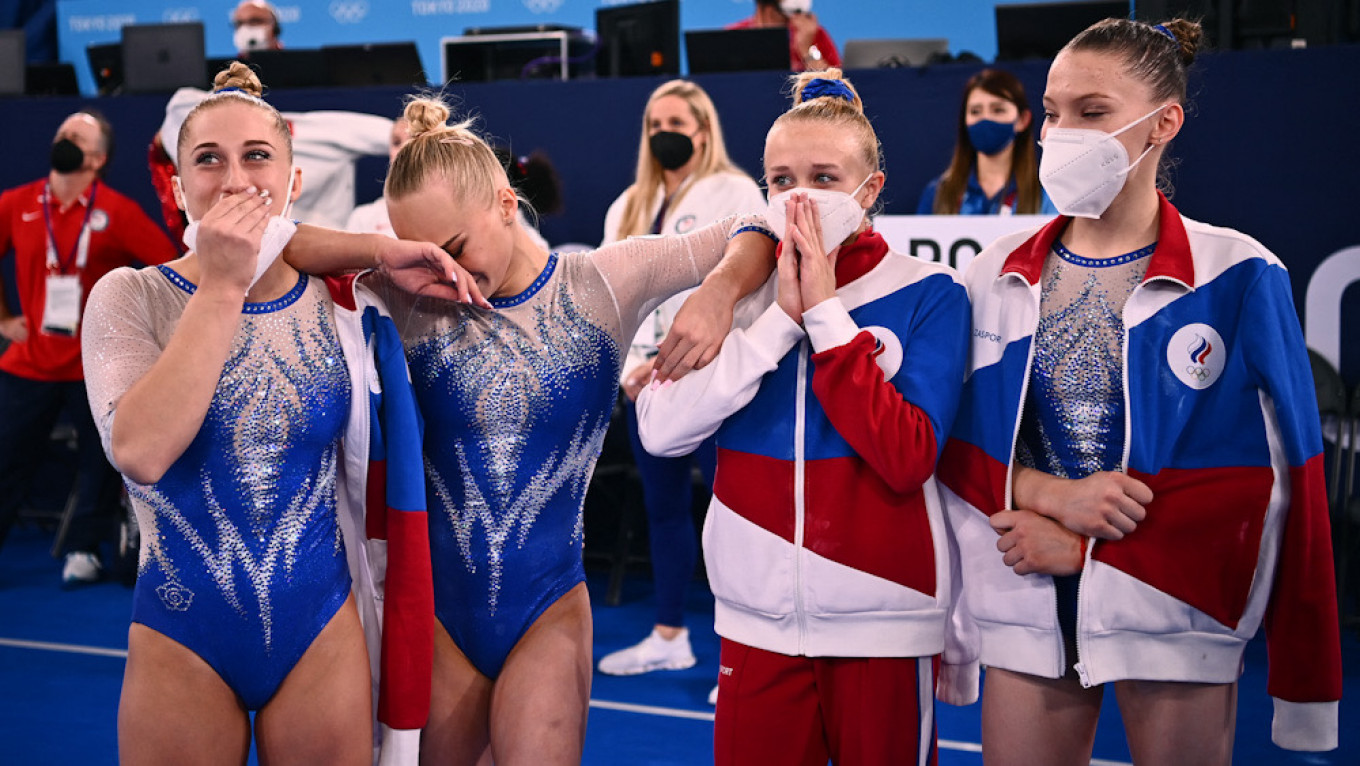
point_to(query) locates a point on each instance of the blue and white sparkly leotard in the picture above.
(242, 560)
(516, 402)
(1073, 421)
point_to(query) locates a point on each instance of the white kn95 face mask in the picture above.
(840, 212)
(1083, 170)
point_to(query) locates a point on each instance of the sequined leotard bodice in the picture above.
(516, 402)
(1073, 421)
(242, 560)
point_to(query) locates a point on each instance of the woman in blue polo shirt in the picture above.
(994, 170)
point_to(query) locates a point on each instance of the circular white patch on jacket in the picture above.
(887, 351)
(1196, 355)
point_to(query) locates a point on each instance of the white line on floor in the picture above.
(695, 715)
(71, 648)
(670, 712)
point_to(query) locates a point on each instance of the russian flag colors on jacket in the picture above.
(382, 516)
(1222, 425)
(825, 536)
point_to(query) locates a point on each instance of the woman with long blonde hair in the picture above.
(685, 181)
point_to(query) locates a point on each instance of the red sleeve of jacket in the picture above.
(895, 437)
(827, 47)
(7, 202)
(1301, 620)
(162, 170)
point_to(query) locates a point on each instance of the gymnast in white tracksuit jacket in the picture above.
(1139, 427)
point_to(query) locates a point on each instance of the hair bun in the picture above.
(238, 76)
(425, 114)
(1189, 34)
(829, 84)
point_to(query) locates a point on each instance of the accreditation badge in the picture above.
(61, 314)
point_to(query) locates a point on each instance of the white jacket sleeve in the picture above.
(673, 418)
(179, 106)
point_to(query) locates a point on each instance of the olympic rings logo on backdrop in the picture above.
(1196, 355)
(543, 6)
(180, 15)
(349, 11)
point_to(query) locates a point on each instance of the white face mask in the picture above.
(249, 37)
(1083, 170)
(841, 213)
(790, 7)
(277, 232)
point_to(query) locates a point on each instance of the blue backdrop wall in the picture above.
(967, 24)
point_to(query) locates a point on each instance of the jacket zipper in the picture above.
(799, 493)
(1010, 467)
(1124, 467)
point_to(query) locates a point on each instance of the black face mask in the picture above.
(67, 157)
(672, 150)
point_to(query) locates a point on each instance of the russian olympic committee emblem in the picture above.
(1196, 355)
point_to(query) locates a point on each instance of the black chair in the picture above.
(1349, 518)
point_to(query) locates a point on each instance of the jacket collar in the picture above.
(1171, 260)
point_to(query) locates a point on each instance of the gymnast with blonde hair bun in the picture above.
(234, 394)
(516, 395)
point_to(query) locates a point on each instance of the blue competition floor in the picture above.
(61, 663)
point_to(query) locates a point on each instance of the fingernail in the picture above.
(251, 190)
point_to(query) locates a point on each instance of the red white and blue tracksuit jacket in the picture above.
(825, 536)
(381, 505)
(1222, 425)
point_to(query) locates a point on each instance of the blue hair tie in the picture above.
(231, 89)
(822, 87)
(1166, 32)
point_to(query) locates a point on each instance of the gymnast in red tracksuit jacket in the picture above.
(1139, 427)
(825, 542)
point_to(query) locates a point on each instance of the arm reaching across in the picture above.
(704, 320)
(419, 268)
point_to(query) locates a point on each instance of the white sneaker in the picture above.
(81, 568)
(654, 653)
(713, 696)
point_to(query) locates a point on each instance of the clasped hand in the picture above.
(807, 273)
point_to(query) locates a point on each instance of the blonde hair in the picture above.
(641, 195)
(451, 152)
(237, 83)
(833, 109)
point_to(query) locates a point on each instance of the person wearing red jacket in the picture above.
(810, 47)
(66, 231)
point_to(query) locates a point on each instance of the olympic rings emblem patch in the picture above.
(1196, 355)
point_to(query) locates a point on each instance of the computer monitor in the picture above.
(375, 64)
(888, 54)
(638, 39)
(737, 50)
(290, 68)
(162, 57)
(516, 53)
(1040, 30)
(52, 78)
(106, 66)
(11, 62)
